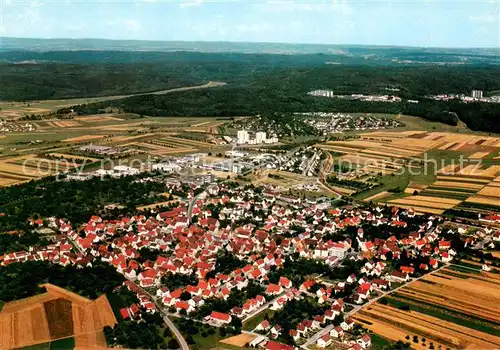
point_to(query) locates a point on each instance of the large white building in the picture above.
(243, 137)
(477, 94)
(260, 137)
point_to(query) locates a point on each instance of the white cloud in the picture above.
(191, 3)
(254, 28)
(338, 6)
(132, 24)
(485, 18)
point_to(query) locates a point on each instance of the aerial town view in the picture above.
(272, 175)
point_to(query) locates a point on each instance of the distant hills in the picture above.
(337, 54)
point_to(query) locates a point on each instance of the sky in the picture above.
(425, 23)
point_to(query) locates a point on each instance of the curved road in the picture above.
(182, 342)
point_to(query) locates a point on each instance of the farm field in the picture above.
(239, 340)
(449, 308)
(377, 196)
(55, 315)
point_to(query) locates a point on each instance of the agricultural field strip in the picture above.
(389, 331)
(441, 326)
(484, 200)
(377, 196)
(456, 184)
(448, 303)
(461, 179)
(420, 209)
(413, 327)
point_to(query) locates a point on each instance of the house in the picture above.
(257, 341)
(124, 313)
(285, 282)
(263, 326)
(294, 334)
(337, 332)
(347, 324)
(184, 305)
(272, 345)
(276, 331)
(398, 276)
(325, 341)
(365, 341)
(220, 318)
(381, 284)
(274, 289)
(444, 245)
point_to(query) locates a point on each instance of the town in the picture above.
(275, 271)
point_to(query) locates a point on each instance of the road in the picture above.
(324, 169)
(327, 329)
(182, 342)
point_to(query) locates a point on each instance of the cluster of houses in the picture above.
(260, 228)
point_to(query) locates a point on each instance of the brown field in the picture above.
(461, 178)
(491, 171)
(457, 184)
(377, 196)
(59, 318)
(98, 118)
(426, 202)
(53, 315)
(84, 138)
(484, 200)
(492, 191)
(478, 155)
(342, 190)
(421, 209)
(63, 123)
(471, 294)
(239, 340)
(433, 328)
(389, 331)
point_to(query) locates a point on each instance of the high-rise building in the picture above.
(477, 94)
(243, 137)
(260, 137)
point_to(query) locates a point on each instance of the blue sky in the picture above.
(441, 23)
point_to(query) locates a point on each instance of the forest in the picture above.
(75, 201)
(18, 281)
(271, 85)
(279, 92)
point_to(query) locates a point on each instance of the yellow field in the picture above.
(457, 184)
(484, 200)
(492, 191)
(63, 123)
(474, 295)
(239, 340)
(98, 118)
(461, 178)
(433, 328)
(478, 155)
(429, 202)
(376, 197)
(25, 323)
(84, 138)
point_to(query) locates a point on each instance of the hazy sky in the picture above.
(444, 23)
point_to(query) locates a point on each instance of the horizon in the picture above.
(423, 24)
(257, 42)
